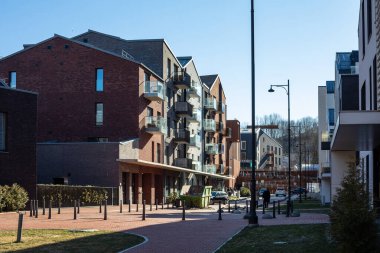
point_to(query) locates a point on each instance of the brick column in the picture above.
(140, 188)
(152, 189)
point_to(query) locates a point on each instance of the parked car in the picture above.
(298, 190)
(280, 191)
(261, 191)
(217, 196)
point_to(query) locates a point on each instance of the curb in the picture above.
(138, 245)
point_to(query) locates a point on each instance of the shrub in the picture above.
(352, 221)
(245, 192)
(13, 198)
(173, 197)
(192, 201)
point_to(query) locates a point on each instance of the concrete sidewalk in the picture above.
(201, 232)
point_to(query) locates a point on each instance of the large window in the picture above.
(363, 29)
(169, 68)
(374, 84)
(12, 79)
(369, 18)
(243, 145)
(3, 129)
(362, 95)
(99, 79)
(331, 117)
(99, 114)
(330, 85)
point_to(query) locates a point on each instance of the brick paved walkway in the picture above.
(201, 231)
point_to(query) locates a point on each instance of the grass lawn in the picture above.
(307, 206)
(50, 240)
(285, 238)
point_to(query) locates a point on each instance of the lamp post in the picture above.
(300, 161)
(286, 87)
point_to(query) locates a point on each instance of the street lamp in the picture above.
(286, 87)
(300, 161)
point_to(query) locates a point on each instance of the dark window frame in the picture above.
(101, 89)
(96, 114)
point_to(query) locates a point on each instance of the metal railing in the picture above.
(154, 90)
(210, 103)
(210, 168)
(155, 124)
(209, 125)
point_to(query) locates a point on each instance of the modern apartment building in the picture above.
(113, 111)
(233, 151)
(18, 122)
(356, 136)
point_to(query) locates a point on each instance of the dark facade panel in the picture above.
(350, 93)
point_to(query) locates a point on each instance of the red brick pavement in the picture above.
(166, 232)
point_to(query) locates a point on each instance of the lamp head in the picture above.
(271, 89)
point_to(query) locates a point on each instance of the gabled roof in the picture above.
(184, 60)
(209, 80)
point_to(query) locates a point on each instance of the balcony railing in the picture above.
(209, 125)
(183, 109)
(181, 80)
(228, 132)
(195, 90)
(183, 163)
(155, 125)
(197, 166)
(221, 107)
(210, 104)
(196, 116)
(220, 127)
(181, 136)
(212, 149)
(154, 90)
(220, 169)
(195, 141)
(210, 168)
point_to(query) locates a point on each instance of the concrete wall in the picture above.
(339, 165)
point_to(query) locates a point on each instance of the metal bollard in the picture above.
(100, 207)
(50, 204)
(137, 206)
(263, 208)
(229, 206)
(156, 204)
(246, 205)
(163, 201)
(151, 206)
(31, 208)
(274, 209)
(43, 206)
(36, 209)
(78, 207)
(19, 227)
(105, 209)
(75, 209)
(278, 207)
(235, 204)
(220, 210)
(121, 206)
(129, 206)
(143, 215)
(183, 210)
(59, 207)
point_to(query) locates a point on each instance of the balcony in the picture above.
(196, 116)
(183, 163)
(209, 125)
(195, 141)
(220, 127)
(210, 168)
(155, 125)
(220, 148)
(212, 149)
(154, 90)
(183, 109)
(181, 136)
(220, 169)
(197, 166)
(221, 107)
(210, 104)
(326, 170)
(182, 80)
(228, 132)
(195, 90)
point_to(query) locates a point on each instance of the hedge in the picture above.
(12, 198)
(192, 201)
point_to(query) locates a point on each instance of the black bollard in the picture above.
(274, 209)
(229, 206)
(137, 206)
(59, 207)
(278, 207)
(121, 206)
(246, 205)
(105, 209)
(31, 208)
(183, 210)
(19, 227)
(156, 204)
(75, 209)
(220, 210)
(50, 204)
(100, 207)
(129, 206)
(143, 214)
(235, 204)
(78, 206)
(43, 206)
(36, 209)
(263, 208)
(151, 205)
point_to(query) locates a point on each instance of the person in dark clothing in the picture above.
(266, 197)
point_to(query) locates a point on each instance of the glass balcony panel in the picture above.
(154, 90)
(210, 104)
(155, 125)
(210, 168)
(181, 80)
(209, 125)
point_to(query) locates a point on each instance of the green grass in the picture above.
(285, 238)
(307, 206)
(49, 240)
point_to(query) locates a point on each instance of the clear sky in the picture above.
(295, 39)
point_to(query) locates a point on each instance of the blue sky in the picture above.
(295, 39)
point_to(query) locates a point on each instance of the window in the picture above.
(99, 114)
(3, 133)
(99, 79)
(331, 117)
(275, 150)
(363, 30)
(374, 84)
(243, 156)
(146, 76)
(363, 102)
(149, 111)
(12, 79)
(369, 18)
(279, 161)
(243, 145)
(279, 151)
(158, 152)
(370, 88)
(330, 86)
(169, 68)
